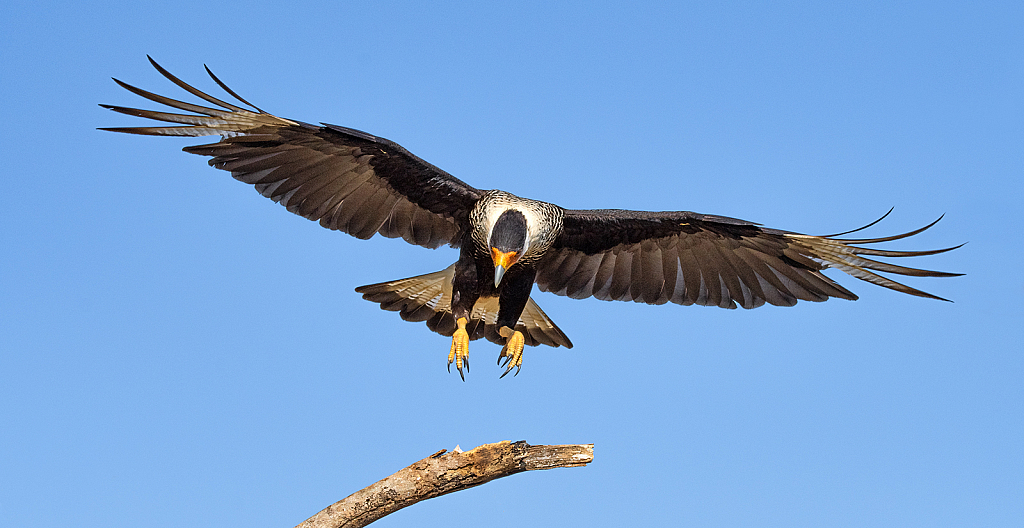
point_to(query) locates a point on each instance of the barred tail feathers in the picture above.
(428, 298)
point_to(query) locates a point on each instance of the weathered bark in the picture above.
(442, 473)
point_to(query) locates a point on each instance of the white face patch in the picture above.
(538, 217)
(495, 212)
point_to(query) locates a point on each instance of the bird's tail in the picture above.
(428, 298)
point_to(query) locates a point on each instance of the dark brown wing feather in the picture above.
(346, 179)
(689, 258)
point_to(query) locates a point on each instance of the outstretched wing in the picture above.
(689, 258)
(347, 180)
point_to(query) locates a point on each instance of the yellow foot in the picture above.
(460, 348)
(513, 351)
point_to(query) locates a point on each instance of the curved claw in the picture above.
(512, 352)
(518, 368)
(459, 353)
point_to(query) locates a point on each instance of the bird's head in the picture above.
(508, 242)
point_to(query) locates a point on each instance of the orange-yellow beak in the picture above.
(502, 261)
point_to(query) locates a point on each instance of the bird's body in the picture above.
(361, 184)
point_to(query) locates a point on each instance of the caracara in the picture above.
(362, 184)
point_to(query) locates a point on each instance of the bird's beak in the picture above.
(502, 261)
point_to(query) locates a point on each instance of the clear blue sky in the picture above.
(177, 351)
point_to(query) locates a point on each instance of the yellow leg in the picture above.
(513, 350)
(460, 348)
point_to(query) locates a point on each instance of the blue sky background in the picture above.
(178, 351)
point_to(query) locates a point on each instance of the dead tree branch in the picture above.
(442, 473)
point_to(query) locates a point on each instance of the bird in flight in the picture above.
(361, 184)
